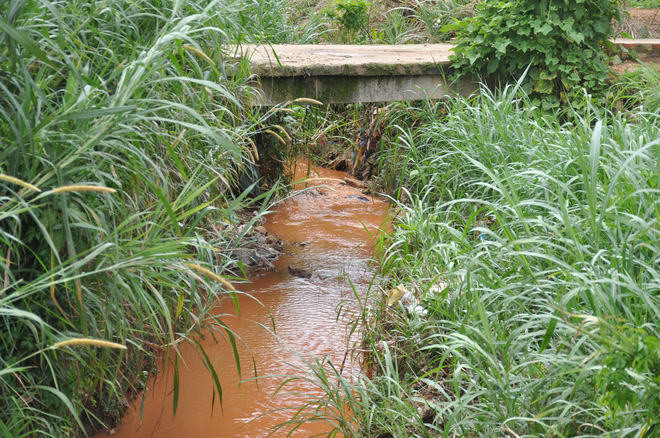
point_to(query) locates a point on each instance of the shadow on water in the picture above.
(323, 232)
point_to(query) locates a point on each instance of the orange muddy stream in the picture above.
(323, 232)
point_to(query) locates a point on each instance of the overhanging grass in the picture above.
(129, 107)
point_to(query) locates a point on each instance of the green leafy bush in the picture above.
(631, 375)
(559, 40)
(352, 15)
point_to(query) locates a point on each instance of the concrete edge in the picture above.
(371, 69)
(639, 45)
(272, 68)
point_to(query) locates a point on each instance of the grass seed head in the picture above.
(19, 182)
(212, 275)
(88, 341)
(286, 134)
(83, 188)
(307, 101)
(198, 53)
(285, 110)
(281, 140)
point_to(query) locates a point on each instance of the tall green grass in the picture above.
(544, 236)
(134, 97)
(419, 21)
(532, 242)
(273, 22)
(638, 89)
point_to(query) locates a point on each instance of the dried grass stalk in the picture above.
(320, 179)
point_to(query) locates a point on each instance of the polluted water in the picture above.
(327, 231)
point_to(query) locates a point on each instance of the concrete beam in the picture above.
(366, 73)
(353, 73)
(351, 89)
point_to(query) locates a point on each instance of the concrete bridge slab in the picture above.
(354, 73)
(366, 73)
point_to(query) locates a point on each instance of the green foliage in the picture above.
(645, 3)
(351, 15)
(631, 374)
(419, 21)
(531, 245)
(559, 40)
(145, 118)
(638, 89)
(263, 21)
(396, 29)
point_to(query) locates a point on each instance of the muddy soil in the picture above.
(642, 23)
(627, 65)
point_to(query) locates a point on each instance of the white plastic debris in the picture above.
(400, 293)
(407, 299)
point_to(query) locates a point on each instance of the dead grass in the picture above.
(642, 23)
